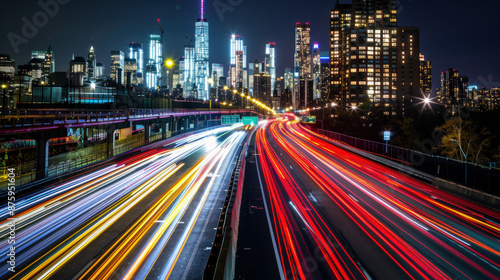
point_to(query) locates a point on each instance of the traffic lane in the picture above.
(194, 256)
(436, 248)
(138, 253)
(372, 258)
(120, 225)
(467, 229)
(288, 203)
(255, 257)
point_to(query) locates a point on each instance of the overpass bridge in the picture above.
(45, 124)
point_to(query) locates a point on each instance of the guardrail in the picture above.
(478, 176)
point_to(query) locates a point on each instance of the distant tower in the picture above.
(155, 62)
(202, 55)
(189, 72)
(271, 63)
(302, 61)
(137, 53)
(91, 65)
(316, 71)
(236, 46)
(48, 63)
(117, 67)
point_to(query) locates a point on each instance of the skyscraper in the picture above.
(425, 75)
(454, 90)
(271, 63)
(288, 79)
(49, 65)
(340, 22)
(325, 75)
(99, 71)
(316, 71)
(155, 62)
(302, 60)
(91, 62)
(38, 54)
(236, 47)
(130, 70)
(217, 73)
(136, 52)
(202, 55)
(372, 59)
(117, 67)
(189, 72)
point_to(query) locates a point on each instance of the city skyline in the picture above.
(477, 58)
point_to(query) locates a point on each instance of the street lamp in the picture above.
(465, 158)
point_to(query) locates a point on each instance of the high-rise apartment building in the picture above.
(372, 60)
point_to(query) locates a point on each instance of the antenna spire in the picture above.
(202, 9)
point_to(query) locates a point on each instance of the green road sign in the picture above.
(250, 120)
(309, 119)
(230, 119)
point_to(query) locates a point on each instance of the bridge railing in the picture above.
(478, 176)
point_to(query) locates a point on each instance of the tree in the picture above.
(474, 142)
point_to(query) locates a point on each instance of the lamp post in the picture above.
(4, 86)
(465, 158)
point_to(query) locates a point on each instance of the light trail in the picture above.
(412, 223)
(87, 206)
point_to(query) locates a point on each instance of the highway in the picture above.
(149, 214)
(331, 214)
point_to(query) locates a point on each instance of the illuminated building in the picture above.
(425, 75)
(78, 71)
(38, 54)
(271, 63)
(236, 47)
(130, 70)
(372, 59)
(325, 75)
(217, 73)
(302, 60)
(202, 65)
(340, 22)
(155, 62)
(49, 64)
(262, 88)
(136, 52)
(91, 62)
(316, 71)
(117, 67)
(189, 72)
(288, 76)
(238, 70)
(99, 71)
(454, 91)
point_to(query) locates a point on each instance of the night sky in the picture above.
(458, 34)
